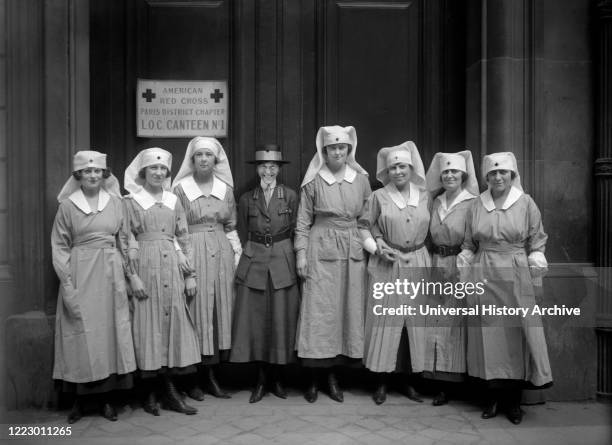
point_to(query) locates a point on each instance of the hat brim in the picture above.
(261, 161)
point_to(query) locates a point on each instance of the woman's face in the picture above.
(268, 171)
(335, 155)
(204, 161)
(400, 174)
(156, 174)
(451, 180)
(499, 181)
(91, 179)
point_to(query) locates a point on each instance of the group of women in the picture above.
(174, 278)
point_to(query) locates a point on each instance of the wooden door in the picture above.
(167, 40)
(393, 69)
(369, 72)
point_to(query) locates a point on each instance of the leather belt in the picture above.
(446, 250)
(154, 236)
(268, 239)
(196, 228)
(404, 249)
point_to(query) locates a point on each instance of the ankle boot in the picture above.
(277, 387)
(312, 391)
(193, 389)
(410, 392)
(440, 399)
(260, 387)
(491, 405)
(514, 411)
(335, 393)
(214, 387)
(76, 413)
(380, 393)
(108, 411)
(173, 401)
(150, 404)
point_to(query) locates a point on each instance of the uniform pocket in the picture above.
(326, 253)
(245, 262)
(284, 214)
(356, 251)
(253, 211)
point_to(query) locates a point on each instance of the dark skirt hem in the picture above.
(149, 374)
(445, 376)
(113, 382)
(339, 360)
(274, 359)
(510, 384)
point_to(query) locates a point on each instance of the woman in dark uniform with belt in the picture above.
(267, 295)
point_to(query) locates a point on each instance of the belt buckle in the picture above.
(442, 251)
(268, 240)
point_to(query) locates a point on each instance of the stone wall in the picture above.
(530, 90)
(6, 284)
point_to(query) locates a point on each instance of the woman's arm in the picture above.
(304, 220)
(61, 246)
(536, 240)
(230, 226)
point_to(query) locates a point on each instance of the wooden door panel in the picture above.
(182, 40)
(186, 40)
(369, 71)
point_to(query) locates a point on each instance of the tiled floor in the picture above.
(358, 420)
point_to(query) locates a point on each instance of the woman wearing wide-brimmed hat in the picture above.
(504, 247)
(452, 183)
(267, 295)
(330, 258)
(204, 186)
(397, 219)
(165, 339)
(94, 353)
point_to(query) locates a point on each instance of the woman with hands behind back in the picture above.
(164, 335)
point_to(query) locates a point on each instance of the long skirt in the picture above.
(446, 336)
(383, 332)
(265, 323)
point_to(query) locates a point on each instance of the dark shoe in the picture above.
(440, 399)
(312, 393)
(75, 413)
(258, 393)
(173, 401)
(214, 388)
(108, 412)
(515, 414)
(380, 395)
(335, 393)
(278, 390)
(196, 393)
(490, 411)
(150, 404)
(411, 393)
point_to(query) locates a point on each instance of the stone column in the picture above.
(603, 184)
(529, 91)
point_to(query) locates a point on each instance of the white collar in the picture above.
(192, 189)
(489, 204)
(264, 185)
(443, 211)
(349, 174)
(399, 199)
(79, 200)
(146, 200)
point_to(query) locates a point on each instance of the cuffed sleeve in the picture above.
(304, 217)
